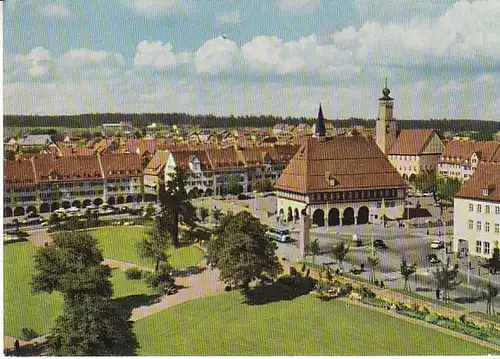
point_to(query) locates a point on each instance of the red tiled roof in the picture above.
(463, 150)
(142, 145)
(183, 157)
(121, 165)
(157, 163)
(411, 142)
(75, 151)
(223, 158)
(353, 162)
(18, 173)
(69, 168)
(485, 177)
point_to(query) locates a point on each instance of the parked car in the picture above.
(378, 243)
(437, 244)
(280, 235)
(433, 258)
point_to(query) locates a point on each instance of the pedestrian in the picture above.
(16, 345)
(382, 285)
(437, 293)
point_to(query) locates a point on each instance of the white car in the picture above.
(437, 244)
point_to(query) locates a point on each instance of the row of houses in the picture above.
(44, 183)
(115, 174)
(210, 168)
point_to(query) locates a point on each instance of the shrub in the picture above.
(160, 279)
(28, 334)
(133, 273)
(345, 289)
(431, 318)
(366, 292)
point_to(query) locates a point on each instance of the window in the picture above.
(487, 209)
(486, 248)
(497, 228)
(478, 246)
(487, 226)
(479, 208)
(497, 209)
(471, 207)
(471, 224)
(478, 225)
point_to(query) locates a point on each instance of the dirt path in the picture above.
(195, 286)
(113, 263)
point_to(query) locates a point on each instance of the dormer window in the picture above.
(485, 192)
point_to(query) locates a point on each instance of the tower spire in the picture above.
(320, 131)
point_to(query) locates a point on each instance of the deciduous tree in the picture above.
(241, 251)
(447, 278)
(92, 323)
(339, 252)
(154, 245)
(406, 272)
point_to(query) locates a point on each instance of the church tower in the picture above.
(320, 130)
(386, 126)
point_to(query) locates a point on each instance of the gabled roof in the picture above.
(411, 142)
(485, 177)
(463, 150)
(223, 158)
(354, 163)
(35, 140)
(157, 163)
(182, 158)
(140, 147)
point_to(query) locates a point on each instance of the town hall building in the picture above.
(342, 180)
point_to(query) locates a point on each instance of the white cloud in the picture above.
(216, 56)
(155, 7)
(54, 10)
(228, 17)
(158, 55)
(467, 33)
(37, 63)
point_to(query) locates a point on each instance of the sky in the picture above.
(262, 57)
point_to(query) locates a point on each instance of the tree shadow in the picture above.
(27, 350)
(467, 300)
(416, 213)
(186, 272)
(285, 288)
(138, 300)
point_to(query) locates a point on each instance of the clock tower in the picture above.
(386, 125)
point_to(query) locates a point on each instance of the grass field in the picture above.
(119, 243)
(223, 325)
(22, 308)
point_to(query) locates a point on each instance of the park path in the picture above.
(195, 286)
(116, 264)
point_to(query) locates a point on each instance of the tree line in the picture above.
(211, 121)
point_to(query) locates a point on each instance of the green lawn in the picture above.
(119, 243)
(123, 287)
(223, 325)
(22, 308)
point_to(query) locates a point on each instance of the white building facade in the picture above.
(477, 213)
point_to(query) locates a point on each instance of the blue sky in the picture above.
(278, 57)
